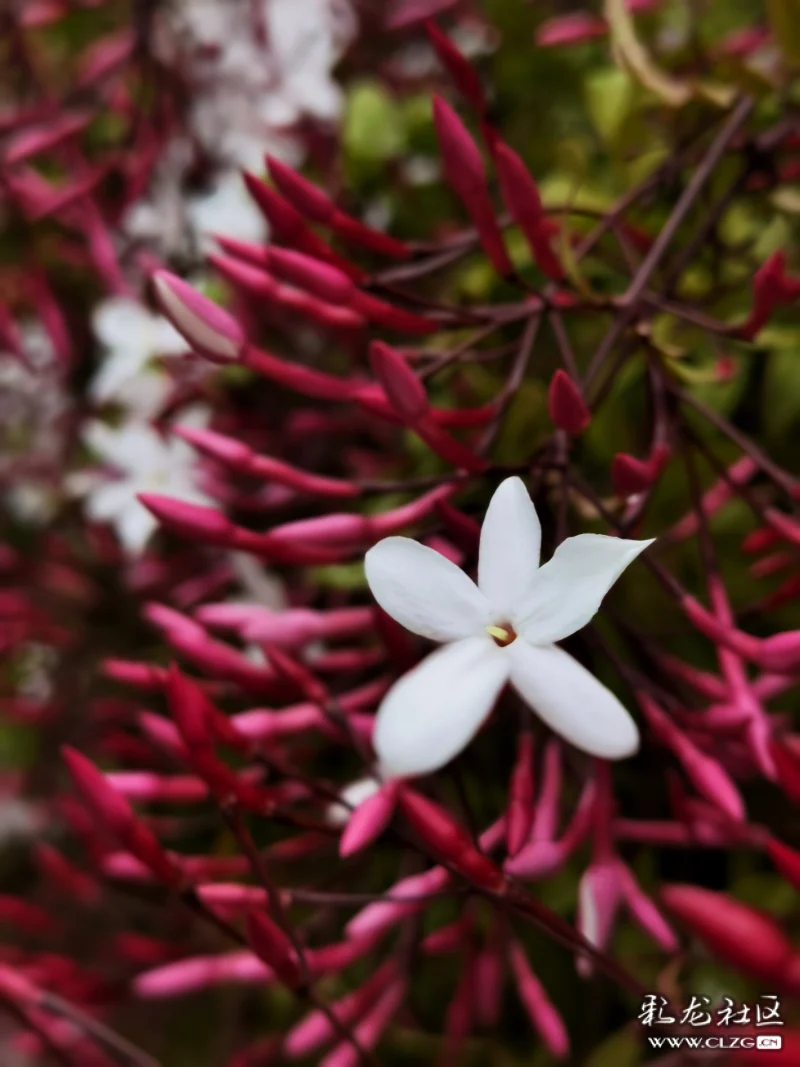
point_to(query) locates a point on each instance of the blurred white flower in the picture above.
(353, 795)
(145, 462)
(227, 208)
(501, 630)
(132, 337)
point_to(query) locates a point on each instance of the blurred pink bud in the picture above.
(404, 390)
(64, 876)
(574, 28)
(465, 173)
(449, 842)
(14, 987)
(786, 859)
(521, 800)
(189, 520)
(316, 1028)
(114, 812)
(272, 946)
(714, 499)
(369, 820)
(104, 56)
(487, 981)
(369, 1030)
(537, 1004)
(739, 935)
(460, 70)
(630, 475)
(705, 772)
(290, 227)
(208, 329)
(772, 287)
(401, 900)
(599, 896)
(525, 207)
(316, 205)
(645, 912)
(25, 917)
(566, 405)
(787, 764)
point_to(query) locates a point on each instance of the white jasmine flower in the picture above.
(353, 795)
(146, 463)
(132, 337)
(501, 630)
(227, 208)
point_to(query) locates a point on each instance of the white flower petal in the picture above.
(571, 700)
(511, 539)
(436, 709)
(135, 527)
(567, 591)
(425, 592)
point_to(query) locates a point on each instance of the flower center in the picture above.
(502, 635)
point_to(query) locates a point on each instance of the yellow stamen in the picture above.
(498, 632)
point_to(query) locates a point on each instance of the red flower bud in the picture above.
(369, 820)
(521, 800)
(463, 74)
(464, 170)
(747, 939)
(209, 329)
(404, 390)
(449, 842)
(316, 205)
(566, 405)
(114, 812)
(272, 946)
(525, 206)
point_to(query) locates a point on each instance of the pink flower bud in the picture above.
(189, 520)
(464, 170)
(566, 405)
(316, 205)
(787, 764)
(599, 895)
(525, 206)
(369, 820)
(706, 773)
(39, 139)
(114, 812)
(747, 939)
(404, 390)
(209, 329)
(537, 1004)
(272, 946)
(402, 900)
(463, 74)
(291, 228)
(574, 28)
(449, 841)
(316, 1028)
(521, 796)
(645, 912)
(772, 287)
(369, 1030)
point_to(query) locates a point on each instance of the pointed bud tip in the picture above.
(208, 328)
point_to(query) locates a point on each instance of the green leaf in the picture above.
(781, 391)
(784, 18)
(622, 1049)
(609, 96)
(374, 130)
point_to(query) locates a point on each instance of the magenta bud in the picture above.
(463, 74)
(322, 279)
(741, 936)
(189, 520)
(599, 895)
(574, 28)
(537, 1004)
(404, 391)
(566, 405)
(521, 800)
(369, 820)
(525, 206)
(465, 173)
(273, 946)
(209, 329)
